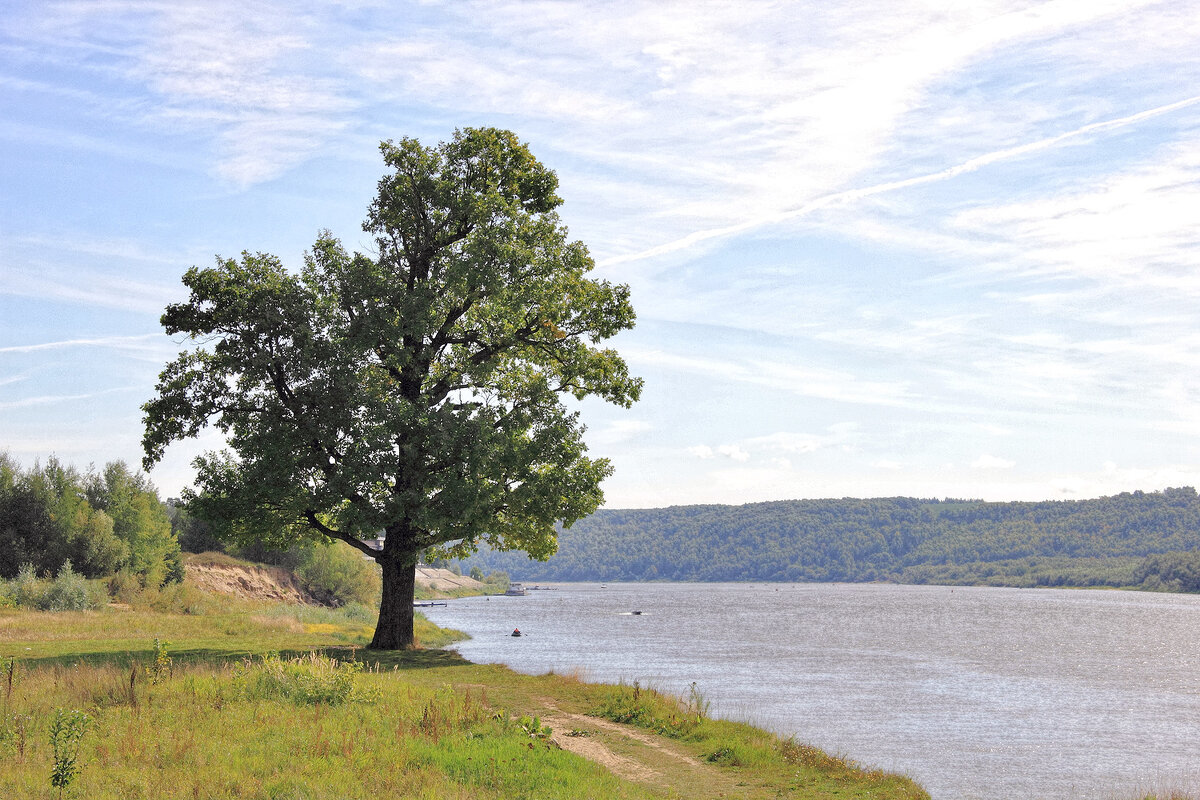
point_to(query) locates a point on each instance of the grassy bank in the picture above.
(90, 708)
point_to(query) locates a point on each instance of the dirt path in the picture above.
(638, 756)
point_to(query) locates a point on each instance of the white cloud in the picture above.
(791, 442)
(88, 288)
(1131, 228)
(992, 462)
(804, 381)
(623, 430)
(733, 452)
(247, 75)
(45, 400)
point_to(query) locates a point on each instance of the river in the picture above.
(976, 693)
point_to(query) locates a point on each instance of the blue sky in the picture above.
(876, 248)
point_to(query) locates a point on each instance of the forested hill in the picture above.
(1105, 541)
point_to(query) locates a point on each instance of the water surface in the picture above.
(977, 693)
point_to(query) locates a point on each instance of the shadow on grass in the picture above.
(381, 660)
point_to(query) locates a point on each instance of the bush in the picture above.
(338, 574)
(498, 579)
(68, 592)
(27, 589)
(124, 587)
(309, 680)
(172, 598)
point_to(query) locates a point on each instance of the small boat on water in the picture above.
(515, 590)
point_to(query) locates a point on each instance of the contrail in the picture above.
(110, 341)
(848, 195)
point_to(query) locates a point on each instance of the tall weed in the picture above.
(653, 710)
(308, 680)
(66, 729)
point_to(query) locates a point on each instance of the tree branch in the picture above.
(315, 523)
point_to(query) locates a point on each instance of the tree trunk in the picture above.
(394, 631)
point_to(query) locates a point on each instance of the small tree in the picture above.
(417, 391)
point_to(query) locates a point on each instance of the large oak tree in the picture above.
(418, 390)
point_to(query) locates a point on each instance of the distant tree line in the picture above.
(1148, 539)
(101, 522)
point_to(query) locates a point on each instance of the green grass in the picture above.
(782, 763)
(198, 735)
(326, 718)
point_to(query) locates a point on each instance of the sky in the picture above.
(929, 249)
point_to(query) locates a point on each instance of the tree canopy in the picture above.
(416, 390)
(100, 522)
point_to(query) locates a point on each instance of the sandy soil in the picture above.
(274, 583)
(443, 580)
(251, 583)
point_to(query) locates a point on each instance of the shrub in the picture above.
(27, 589)
(649, 708)
(68, 592)
(124, 587)
(498, 579)
(308, 680)
(338, 574)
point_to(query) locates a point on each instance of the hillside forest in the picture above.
(111, 523)
(1139, 539)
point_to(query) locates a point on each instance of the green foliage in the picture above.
(534, 727)
(417, 390)
(1175, 572)
(498, 580)
(653, 710)
(66, 729)
(69, 591)
(337, 574)
(159, 668)
(1098, 542)
(304, 681)
(194, 535)
(99, 522)
(27, 590)
(46, 519)
(140, 520)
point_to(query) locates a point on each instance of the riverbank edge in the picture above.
(651, 744)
